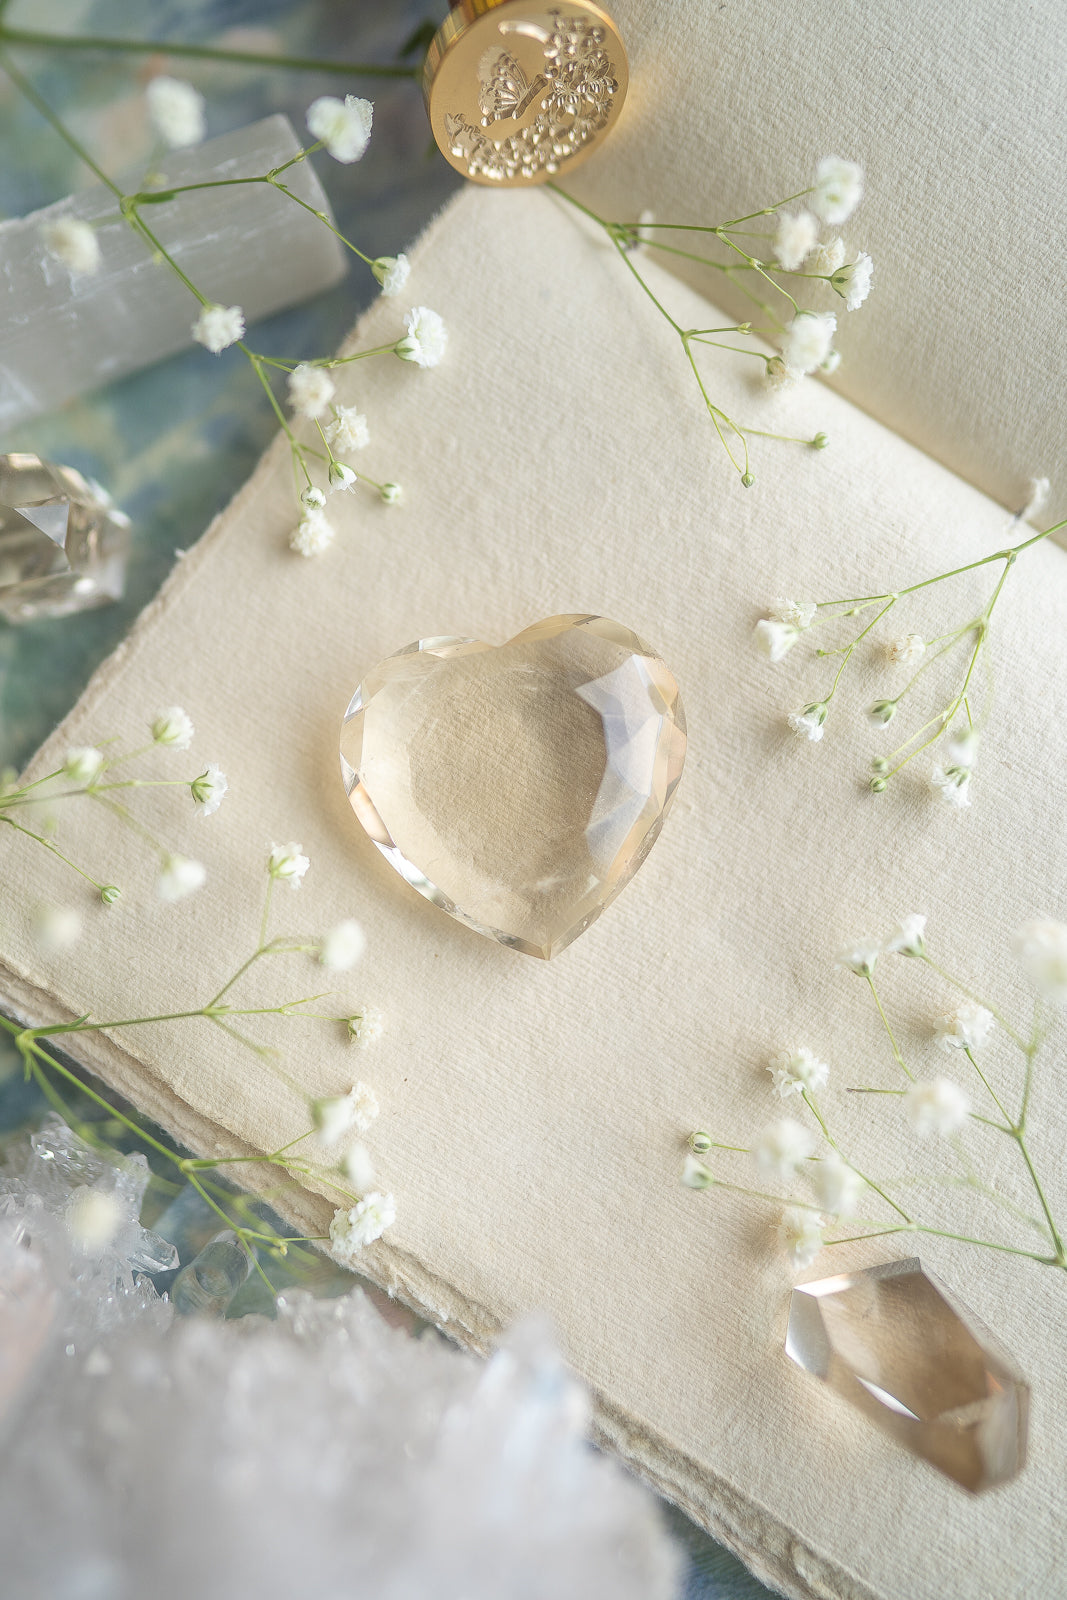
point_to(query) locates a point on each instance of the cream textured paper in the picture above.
(534, 1114)
(956, 111)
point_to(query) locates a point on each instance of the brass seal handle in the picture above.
(517, 93)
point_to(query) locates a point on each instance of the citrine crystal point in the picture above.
(898, 1345)
(63, 545)
(518, 787)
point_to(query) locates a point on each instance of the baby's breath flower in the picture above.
(782, 1148)
(286, 864)
(801, 1236)
(367, 1221)
(343, 126)
(73, 243)
(808, 721)
(180, 876)
(343, 946)
(347, 430)
(794, 1071)
(860, 957)
(1041, 946)
(829, 365)
(392, 273)
(775, 639)
(425, 340)
(173, 728)
(366, 1026)
(56, 928)
(207, 790)
(798, 613)
(313, 498)
(176, 111)
(967, 1028)
(837, 1186)
(313, 534)
(1039, 489)
(908, 648)
(217, 327)
(853, 283)
(907, 938)
(953, 784)
(358, 1167)
(826, 258)
(332, 1116)
(83, 763)
(391, 494)
(310, 390)
(838, 189)
(700, 1142)
(341, 477)
(365, 1106)
(779, 376)
(962, 747)
(881, 712)
(695, 1175)
(93, 1218)
(939, 1107)
(797, 235)
(806, 341)
(110, 893)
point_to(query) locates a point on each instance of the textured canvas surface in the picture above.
(955, 110)
(534, 1114)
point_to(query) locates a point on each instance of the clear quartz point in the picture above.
(897, 1344)
(518, 787)
(63, 545)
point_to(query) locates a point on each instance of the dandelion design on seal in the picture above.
(572, 93)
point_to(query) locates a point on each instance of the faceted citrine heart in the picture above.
(518, 787)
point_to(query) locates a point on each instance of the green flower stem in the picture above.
(124, 814)
(26, 88)
(890, 603)
(897, 1054)
(48, 845)
(715, 414)
(961, 1238)
(810, 1102)
(968, 1052)
(33, 39)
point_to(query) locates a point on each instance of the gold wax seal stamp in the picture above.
(517, 92)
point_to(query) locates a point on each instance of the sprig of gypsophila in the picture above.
(342, 128)
(803, 337)
(957, 710)
(939, 1107)
(365, 1212)
(99, 775)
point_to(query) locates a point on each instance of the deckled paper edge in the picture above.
(765, 1544)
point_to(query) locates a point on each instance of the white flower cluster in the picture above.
(176, 112)
(286, 864)
(908, 938)
(778, 632)
(806, 344)
(217, 327)
(952, 780)
(342, 126)
(337, 1115)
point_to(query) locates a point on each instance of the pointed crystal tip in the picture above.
(898, 1345)
(63, 545)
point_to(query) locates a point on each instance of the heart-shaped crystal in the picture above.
(518, 787)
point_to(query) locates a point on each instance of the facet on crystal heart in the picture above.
(897, 1344)
(63, 545)
(518, 787)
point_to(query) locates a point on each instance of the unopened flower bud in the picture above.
(700, 1143)
(883, 711)
(110, 893)
(313, 498)
(391, 493)
(747, 480)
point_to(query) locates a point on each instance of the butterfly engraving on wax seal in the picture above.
(517, 787)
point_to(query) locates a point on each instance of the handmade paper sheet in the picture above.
(534, 1114)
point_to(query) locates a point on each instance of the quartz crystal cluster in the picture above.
(323, 1453)
(895, 1343)
(519, 788)
(63, 545)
